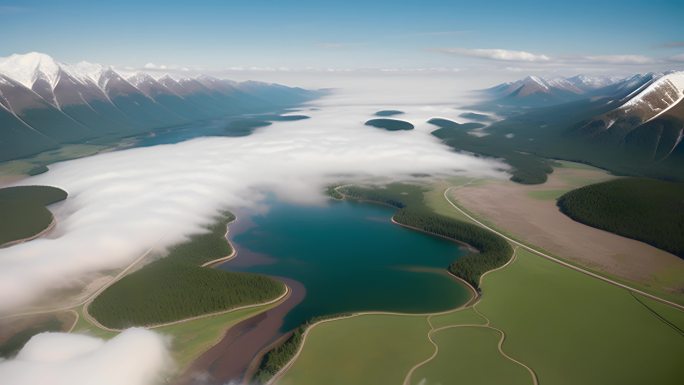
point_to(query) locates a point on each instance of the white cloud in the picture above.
(497, 54)
(134, 357)
(122, 203)
(616, 59)
(677, 58)
(152, 66)
(534, 62)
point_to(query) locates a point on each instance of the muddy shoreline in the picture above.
(231, 358)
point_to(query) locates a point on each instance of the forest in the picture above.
(23, 211)
(390, 124)
(647, 210)
(526, 168)
(280, 355)
(177, 287)
(493, 251)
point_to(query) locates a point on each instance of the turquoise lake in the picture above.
(349, 257)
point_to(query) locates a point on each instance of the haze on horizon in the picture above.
(331, 44)
(418, 57)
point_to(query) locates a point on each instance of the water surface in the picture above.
(349, 257)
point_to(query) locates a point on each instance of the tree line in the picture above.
(280, 355)
(648, 210)
(176, 287)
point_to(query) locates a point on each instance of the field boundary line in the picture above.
(556, 260)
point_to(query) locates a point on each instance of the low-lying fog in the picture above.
(123, 203)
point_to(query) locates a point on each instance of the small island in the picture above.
(477, 117)
(447, 124)
(390, 124)
(388, 113)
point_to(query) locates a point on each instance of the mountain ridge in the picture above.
(45, 103)
(633, 126)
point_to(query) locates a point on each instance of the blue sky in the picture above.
(349, 34)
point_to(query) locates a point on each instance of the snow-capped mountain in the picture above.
(656, 98)
(649, 119)
(633, 125)
(535, 91)
(44, 102)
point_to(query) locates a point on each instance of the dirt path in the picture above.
(530, 214)
(487, 325)
(474, 302)
(556, 260)
(89, 297)
(231, 358)
(46, 230)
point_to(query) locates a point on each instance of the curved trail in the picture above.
(88, 298)
(76, 318)
(470, 304)
(46, 230)
(476, 299)
(486, 325)
(85, 303)
(93, 321)
(556, 260)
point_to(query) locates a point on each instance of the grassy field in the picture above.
(460, 317)
(191, 339)
(514, 214)
(188, 339)
(569, 328)
(24, 212)
(363, 350)
(30, 165)
(648, 210)
(176, 287)
(468, 355)
(573, 329)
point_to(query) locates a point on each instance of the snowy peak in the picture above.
(42, 73)
(655, 97)
(27, 68)
(535, 91)
(650, 113)
(586, 83)
(140, 78)
(578, 84)
(86, 72)
(535, 81)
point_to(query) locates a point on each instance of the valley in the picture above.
(267, 234)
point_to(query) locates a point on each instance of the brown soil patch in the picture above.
(511, 208)
(232, 357)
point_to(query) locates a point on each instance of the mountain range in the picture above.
(45, 103)
(535, 91)
(632, 125)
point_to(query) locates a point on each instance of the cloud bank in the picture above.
(576, 62)
(497, 54)
(134, 357)
(123, 203)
